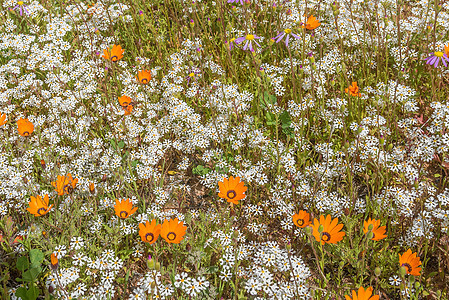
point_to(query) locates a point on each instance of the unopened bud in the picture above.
(402, 271)
(157, 266)
(320, 228)
(150, 264)
(417, 285)
(370, 227)
(92, 188)
(336, 12)
(308, 230)
(369, 235)
(377, 271)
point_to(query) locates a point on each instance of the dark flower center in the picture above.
(68, 188)
(114, 58)
(409, 267)
(41, 211)
(326, 237)
(300, 222)
(123, 214)
(231, 194)
(151, 237)
(171, 236)
(144, 80)
(26, 133)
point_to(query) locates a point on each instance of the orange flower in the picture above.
(149, 233)
(173, 231)
(378, 231)
(128, 110)
(25, 127)
(113, 54)
(232, 190)
(124, 101)
(39, 206)
(362, 294)
(2, 119)
(92, 188)
(311, 23)
(331, 233)
(64, 184)
(301, 219)
(353, 90)
(54, 261)
(446, 50)
(124, 208)
(144, 76)
(411, 262)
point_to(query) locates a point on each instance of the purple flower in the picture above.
(235, 1)
(249, 40)
(20, 7)
(192, 75)
(435, 57)
(286, 32)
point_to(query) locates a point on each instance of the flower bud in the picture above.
(417, 285)
(320, 228)
(377, 271)
(370, 227)
(308, 230)
(336, 12)
(402, 271)
(369, 235)
(157, 266)
(150, 263)
(54, 262)
(92, 188)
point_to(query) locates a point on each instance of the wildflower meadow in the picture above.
(227, 149)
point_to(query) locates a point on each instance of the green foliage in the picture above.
(30, 267)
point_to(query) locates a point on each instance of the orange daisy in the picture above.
(113, 54)
(39, 206)
(64, 184)
(362, 294)
(331, 233)
(124, 101)
(411, 262)
(149, 232)
(124, 208)
(378, 231)
(173, 231)
(54, 261)
(311, 23)
(232, 190)
(144, 76)
(353, 90)
(128, 109)
(25, 127)
(301, 219)
(2, 119)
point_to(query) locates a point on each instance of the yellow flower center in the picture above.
(171, 236)
(20, 2)
(192, 74)
(123, 214)
(288, 31)
(149, 237)
(438, 54)
(250, 37)
(326, 237)
(231, 194)
(300, 222)
(233, 39)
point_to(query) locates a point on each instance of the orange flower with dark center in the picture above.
(411, 262)
(173, 231)
(311, 23)
(124, 208)
(378, 231)
(362, 294)
(144, 76)
(113, 54)
(232, 190)
(25, 127)
(124, 101)
(64, 184)
(353, 90)
(331, 233)
(2, 119)
(301, 219)
(128, 109)
(149, 232)
(39, 206)
(54, 261)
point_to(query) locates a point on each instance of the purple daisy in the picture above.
(435, 57)
(249, 38)
(21, 7)
(287, 32)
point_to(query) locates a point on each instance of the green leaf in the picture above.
(33, 292)
(121, 144)
(31, 274)
(22, 263)
(22, 293)
(112, 141)
(36, 257)
(286, 121)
